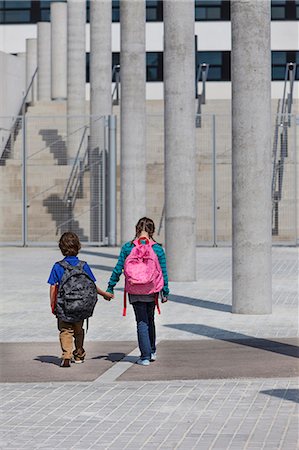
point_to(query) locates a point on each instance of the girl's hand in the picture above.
(108, 296)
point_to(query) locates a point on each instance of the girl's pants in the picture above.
(68, 333)
(146, 331)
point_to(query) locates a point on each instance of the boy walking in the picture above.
(73, 295)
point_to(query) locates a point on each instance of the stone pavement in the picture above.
(199, 338)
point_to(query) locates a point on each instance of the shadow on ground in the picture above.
(286, 394)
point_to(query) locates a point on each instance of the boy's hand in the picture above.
(108, 296)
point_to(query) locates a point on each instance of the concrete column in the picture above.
(251, 156)
(31, 65)
(179, 117)
(44, 61)
(76, 75)
(58, 50)
(100, 104)
(133, 116)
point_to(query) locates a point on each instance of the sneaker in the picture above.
(65, 363)
(153, 356)
(143, 362)
(79, 359)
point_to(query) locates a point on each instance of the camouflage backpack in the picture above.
(77, 294)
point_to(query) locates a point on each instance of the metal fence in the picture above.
(54, 179)
(59, 173)
(214, 178)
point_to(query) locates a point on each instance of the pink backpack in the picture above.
(143, 274)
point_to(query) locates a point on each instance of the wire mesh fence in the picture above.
(54, 178)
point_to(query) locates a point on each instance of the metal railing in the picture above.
(17, 123)
(280, 141)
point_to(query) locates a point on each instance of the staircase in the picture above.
(47, 176)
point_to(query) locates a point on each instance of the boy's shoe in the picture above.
(78, 359)
(65, 363)
(143, 362)
(153, 356)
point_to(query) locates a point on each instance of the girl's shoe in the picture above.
(153, 356)
(143, 362)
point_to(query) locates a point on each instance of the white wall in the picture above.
(12, 89)
(212, 36)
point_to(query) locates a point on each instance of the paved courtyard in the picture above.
(221, 381)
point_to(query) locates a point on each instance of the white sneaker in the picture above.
(143, 362)
(153, 356)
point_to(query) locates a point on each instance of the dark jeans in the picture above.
(146, 331)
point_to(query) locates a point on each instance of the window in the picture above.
(115, 11)
(279, 61)
(285, 10)
(154, 11)
(25, 11)
(219, 65)
(212, 10)
(154, 66)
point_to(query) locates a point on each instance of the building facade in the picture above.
(18, 22)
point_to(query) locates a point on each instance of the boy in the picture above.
(68, 324)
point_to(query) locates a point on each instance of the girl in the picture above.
(144, 305)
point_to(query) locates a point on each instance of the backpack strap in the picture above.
(65, 264)
(125, 304)
(68, 266)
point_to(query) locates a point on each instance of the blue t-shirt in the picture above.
(57, 270)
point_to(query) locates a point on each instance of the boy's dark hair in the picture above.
(69, 244)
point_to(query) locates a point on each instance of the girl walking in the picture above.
(144, 264)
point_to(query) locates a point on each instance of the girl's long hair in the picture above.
(145, 224)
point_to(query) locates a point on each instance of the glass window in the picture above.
(115, 11)
(279, 61)
(18, 5)
(284, 9)
(154, 11)
(17, 16)
(219, 65)
(212, 10)
(115, 62)
(154, 66)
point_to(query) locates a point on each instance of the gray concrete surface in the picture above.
(251, 157)
(132, 116)
(58, 50)
(44, 61)
(31, 65)
(76, 75)
(100, 101)
(179, 139)
(260, 412)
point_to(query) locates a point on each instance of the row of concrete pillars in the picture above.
(251, 125)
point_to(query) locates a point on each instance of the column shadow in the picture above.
(291, 395)
(238, 338)
(200, 303)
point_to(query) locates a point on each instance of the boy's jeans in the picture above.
(146, 331)
(68, 332)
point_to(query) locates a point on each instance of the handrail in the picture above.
(202, 72)
(116, 72)
(21, 112)
(283, 122)
(72, 178)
